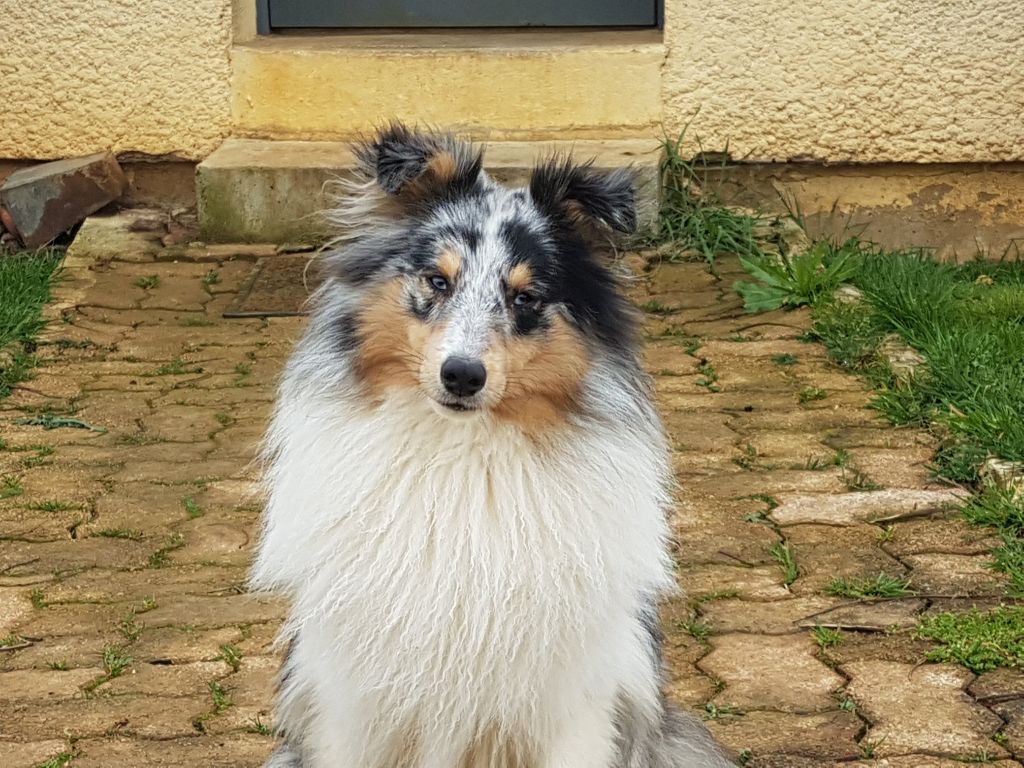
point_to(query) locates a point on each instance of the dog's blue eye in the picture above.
(438, 283)
(522, 300)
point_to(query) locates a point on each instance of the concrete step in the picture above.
(258, 191)
(498, 84)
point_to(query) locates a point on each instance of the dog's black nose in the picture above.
(463, 377)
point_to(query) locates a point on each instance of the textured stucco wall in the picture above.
(78, 77)
(849, 81)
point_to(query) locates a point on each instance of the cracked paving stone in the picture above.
(829, 735)
(227, 751)
(955, 574)
(34, 684)
(773, 672)
(824, 552)
(921, 708)
(777, 617)
(862, 506)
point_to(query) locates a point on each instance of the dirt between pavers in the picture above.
(123, 558)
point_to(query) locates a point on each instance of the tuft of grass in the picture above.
(709, 377)
(978, 640)
(1002, 510)
(655, 307)
(243, 371)
(797, 280)
(784, 556)
(826, 637)
(115, 661)
(224, 418)
(690, 212)
(714, 711)
(881, 585)
(192, 508)
(811, 394)
(221, 699)
(212, 277)
(37, 598)
(57, 761)
(148, 283)
(698, 630)
(59, 666)
(11, 487)
(748, 459)
(132, 534)
(196, 322)
(25, 283)
(48, 420)
(176, 367)
(786, 359)
(231, 656)
(857, 480)
(162, 557)
(129, 628)
(256, 725)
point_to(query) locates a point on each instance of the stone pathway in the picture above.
(130, 639)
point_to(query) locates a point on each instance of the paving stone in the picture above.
(924, 761)
(1013, 713)
(862, 506)
(186, 645)
(798, 450)
(160, 679)
(209, 612)
(700, 433)
(824, 552)
(947, 536)
(46, 200)
(147, 717)
(776, 617)
(831, 735)
(49, 685)
(772, 672)
(14, 606)
(222, 751)
(1001, 683)
(667, 358)
(29, 754)
(759, 583)
(896, 467)
(915, 708)
(116, 236)
(880, 616)
(956, 574)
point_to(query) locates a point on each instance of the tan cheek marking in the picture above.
(544, 379)
(390, 351)
(520, 278)
(449, 264)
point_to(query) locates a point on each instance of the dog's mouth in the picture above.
(456, 408)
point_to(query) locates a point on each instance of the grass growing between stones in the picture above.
(979, 640)
(692, 215)
(25, 283)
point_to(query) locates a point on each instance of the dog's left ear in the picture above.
(574, 192)
(416, 166)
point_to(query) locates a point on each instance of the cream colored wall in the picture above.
(841, 81)
(79, 77)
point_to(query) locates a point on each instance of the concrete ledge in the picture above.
(272, 191)
(495, 84)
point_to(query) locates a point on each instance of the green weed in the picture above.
(881, 585)
(826, 637)
(26, 280)
(148, 282)
(785, 557)
(978, 640)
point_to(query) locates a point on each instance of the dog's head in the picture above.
(481, 298)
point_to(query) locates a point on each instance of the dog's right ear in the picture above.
(417, 167)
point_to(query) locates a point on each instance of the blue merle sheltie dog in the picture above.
(467, 482)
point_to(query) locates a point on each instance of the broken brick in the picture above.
(48, 199)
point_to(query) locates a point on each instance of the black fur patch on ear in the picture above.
(418, 165)
(566, 189)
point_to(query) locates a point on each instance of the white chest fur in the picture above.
(456, 566)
